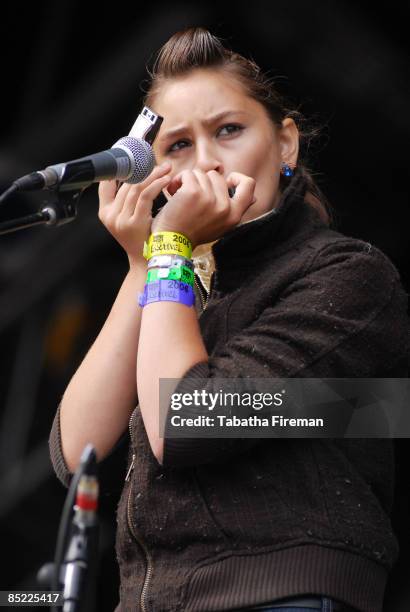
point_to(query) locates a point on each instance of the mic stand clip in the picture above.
(61, 209)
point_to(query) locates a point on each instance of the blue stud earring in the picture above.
(286, 170)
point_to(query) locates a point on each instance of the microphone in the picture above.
(129, 160)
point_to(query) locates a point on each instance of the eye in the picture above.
(230, 128)
(176, 147)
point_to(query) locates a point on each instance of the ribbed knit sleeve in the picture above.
(346, 316)
(56, 452)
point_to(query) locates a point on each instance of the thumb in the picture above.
(243, 187)
(107, 191)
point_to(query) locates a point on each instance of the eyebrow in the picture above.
(183, 128)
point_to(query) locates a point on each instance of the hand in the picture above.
(127, 213)
(200, 207)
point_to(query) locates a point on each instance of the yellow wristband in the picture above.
(167, 243)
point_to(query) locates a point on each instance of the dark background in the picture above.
(70, 85)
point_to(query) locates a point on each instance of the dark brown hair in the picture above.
(197, 48)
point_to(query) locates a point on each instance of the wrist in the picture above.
(167, 243)
(137, 266)
(170, 275)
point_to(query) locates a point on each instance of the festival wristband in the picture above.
(167, 243)
(182, 273)
(169, 261)
(167, 291)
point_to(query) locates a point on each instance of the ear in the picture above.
(289, 142)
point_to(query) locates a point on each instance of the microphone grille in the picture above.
(142, 157)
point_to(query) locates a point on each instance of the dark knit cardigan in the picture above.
(225, 524)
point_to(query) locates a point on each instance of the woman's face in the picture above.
(210, 123)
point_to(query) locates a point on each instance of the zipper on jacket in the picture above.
(148, 557)
(133, 455)
(130, 468)
(137, 538)
(131, 421)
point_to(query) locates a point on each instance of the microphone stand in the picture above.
(61, 209)
(74, 571)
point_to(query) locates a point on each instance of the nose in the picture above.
(207, 159)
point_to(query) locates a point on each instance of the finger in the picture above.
(143, 203)
(231, 193)
(107, 191)
(127, 190)
(147, 197)
(158, 171)
(130, 200)
(111, 201)
(244, 190)
(186, 178)
(205, 183)
(175, 184)
(115, 206)
(190, 180)
(219, 186)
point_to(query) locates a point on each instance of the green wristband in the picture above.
(182, 273)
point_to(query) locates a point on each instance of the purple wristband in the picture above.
(167, 290)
